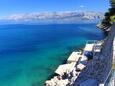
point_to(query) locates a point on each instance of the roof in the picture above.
(74, 57)
(89, 47)
(81, 66)
(98, 47)
(62, 82)
(61, 69)
(65, 68)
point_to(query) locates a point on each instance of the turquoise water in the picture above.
(29, 54)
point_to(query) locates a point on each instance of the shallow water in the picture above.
(29, 54)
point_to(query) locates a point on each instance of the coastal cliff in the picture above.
(97, 70)
(91, 67)
(100, 67)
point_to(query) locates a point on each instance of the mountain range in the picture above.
(53, 17)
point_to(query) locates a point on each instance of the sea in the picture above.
(29, 54)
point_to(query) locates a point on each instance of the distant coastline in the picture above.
(69, 17)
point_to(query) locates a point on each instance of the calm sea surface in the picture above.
(29, 54)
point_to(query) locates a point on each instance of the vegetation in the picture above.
(112, 19)
(110, 15)
(112, 3)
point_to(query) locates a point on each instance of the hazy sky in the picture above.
(8, 7)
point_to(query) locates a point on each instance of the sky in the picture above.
(9, 7)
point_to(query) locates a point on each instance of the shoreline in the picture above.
(82, 50)
(75, 81)
(65, 61)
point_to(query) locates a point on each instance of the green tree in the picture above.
(112, 3)
(112, 11)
